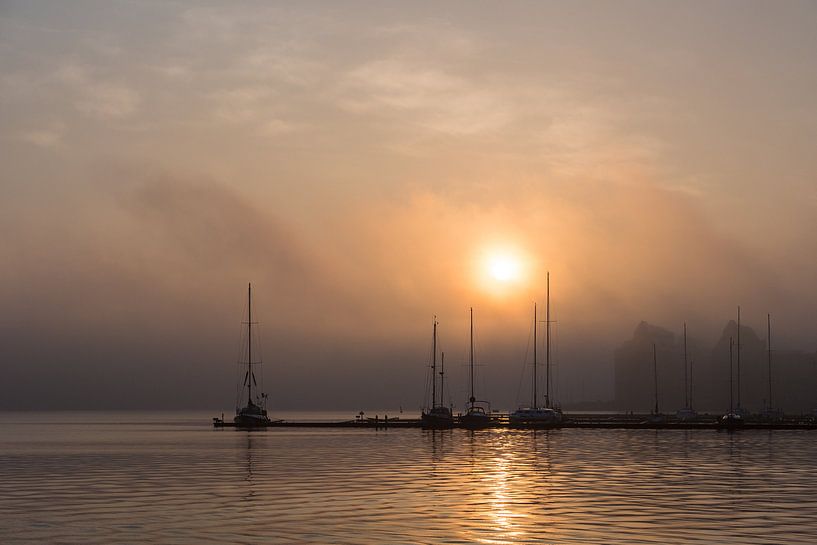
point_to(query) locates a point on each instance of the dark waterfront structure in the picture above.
(793, 373)
(569, 421)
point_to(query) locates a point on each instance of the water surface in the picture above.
(170, 478)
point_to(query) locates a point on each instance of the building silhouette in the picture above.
(794, 373)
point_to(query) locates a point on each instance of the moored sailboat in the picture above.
(656, 417)
(254, 413)
(769, 413)
(438, 415)
(687, 413)
(534, 415)
(478, 413)
(733, 418)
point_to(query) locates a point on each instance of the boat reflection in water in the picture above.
(368, 487)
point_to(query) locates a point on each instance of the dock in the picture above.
(570, 421)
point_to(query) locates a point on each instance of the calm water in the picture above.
(170, 478)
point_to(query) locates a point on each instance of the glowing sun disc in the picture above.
(503, 268)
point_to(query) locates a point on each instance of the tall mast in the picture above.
(738, 347)
(731, 344)
(691, 363)
(442, 379)
(472, 398)
(686, 374)
(655, 374)
(769, 346)
(434, 366)
(249, 344)
(535, 360)
(547, 345)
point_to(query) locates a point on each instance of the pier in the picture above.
(570, 421)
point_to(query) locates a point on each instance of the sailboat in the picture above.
(478, 413)
(770, 413)
(254, 414)
(534, 415)
(739, 410)
(438, 415)
(733, 418)
(655, 417)
(687, 413)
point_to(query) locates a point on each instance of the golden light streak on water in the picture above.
(168, 478)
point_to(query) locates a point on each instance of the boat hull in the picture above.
(432, 421)
(247, 421)
(251, 416)
(686, 414)
(475, 421)
(535, 418)
(471, 423)
(437, 417)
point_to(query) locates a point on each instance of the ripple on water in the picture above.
(186, 483)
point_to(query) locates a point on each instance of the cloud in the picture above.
(203, 225)
(46, 137)
(99, 98)
(284, 64)
(276, 127)
(425, 96)
(241, 104)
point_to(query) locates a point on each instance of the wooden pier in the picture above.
(570, 421)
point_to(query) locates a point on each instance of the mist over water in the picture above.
(170, 478)
(356, 164)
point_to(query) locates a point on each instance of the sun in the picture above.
(504, 268)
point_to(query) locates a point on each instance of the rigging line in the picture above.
(258, 345)
(554, 361)
(443, 378)
(429, 376)
(524, 365)
(429, 386)
(240, 346)
(477, 349)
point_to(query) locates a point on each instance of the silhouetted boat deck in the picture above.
(581, 421)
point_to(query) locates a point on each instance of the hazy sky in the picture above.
(363, 163)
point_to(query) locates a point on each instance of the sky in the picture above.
(368, 165)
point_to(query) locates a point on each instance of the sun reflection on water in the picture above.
(364, 487)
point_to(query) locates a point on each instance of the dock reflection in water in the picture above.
(93, 479)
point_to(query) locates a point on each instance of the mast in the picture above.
(472, 399)
(249, 344)
(690, 382)
(655, 375)
(547, 346)
(442, 379)
(731, 344)
(769, 354)
(434, 366)
(738, 347)
(686, 374)
(535, 360)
